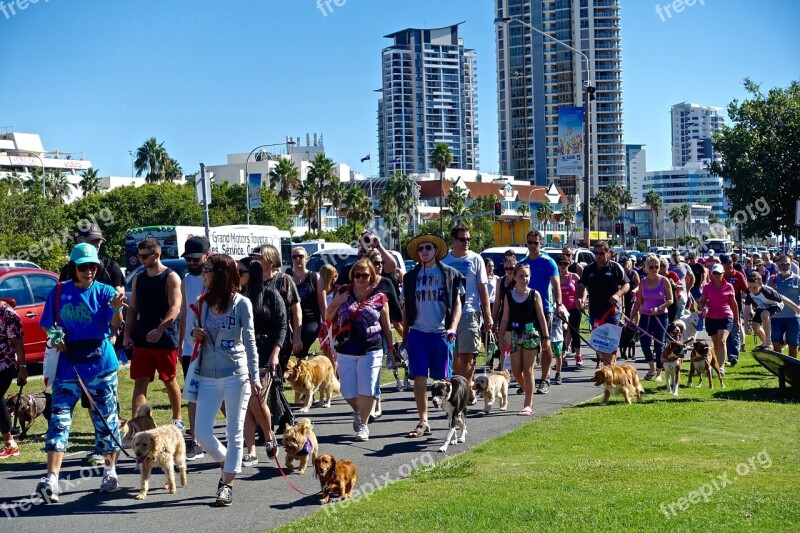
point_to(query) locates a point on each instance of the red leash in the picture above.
(277, 463)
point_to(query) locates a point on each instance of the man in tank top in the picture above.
(152, 328)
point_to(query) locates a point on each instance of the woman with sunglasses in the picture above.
(650, 311)
(569, 283)
(227, 370)
(311, 290)
(504, 285)
(361, 322)
(80, 333)
(720, 312)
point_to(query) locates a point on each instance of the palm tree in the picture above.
(653, 200)
(397, 203)
(305, 198)
(686, 215)
(336, 193)
(285, 176)
(675, 215)
(611, 209)
(172, 170)
(544, 212)
(457, 203)
(358, 207)
(441, 158)
(90, 184)
(568, 216)
(59, 187)
(524, 210)
(151, 160)
(623, 197)
(321, 173)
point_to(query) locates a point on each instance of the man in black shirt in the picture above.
(607, 283)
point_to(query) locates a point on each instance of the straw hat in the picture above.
(438, 242)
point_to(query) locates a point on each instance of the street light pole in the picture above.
(288, 142)
(587, 95)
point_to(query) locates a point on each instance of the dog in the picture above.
(163, 447)
(339, 477)
(674, 353)
(306, 377)
(703, 360)
(493, 386)
(453, 396)
(395, 362)
(627, 342)
(129, 428)
(619, 380)
(299, 442)
(31, 407)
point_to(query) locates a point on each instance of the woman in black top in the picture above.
(269, 320)
(311, 289)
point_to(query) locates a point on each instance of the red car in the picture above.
(27, 289)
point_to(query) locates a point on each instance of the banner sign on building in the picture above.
(570, 141)
(254, 190)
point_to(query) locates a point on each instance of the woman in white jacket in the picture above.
(227, 369)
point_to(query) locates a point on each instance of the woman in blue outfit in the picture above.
(85, 309)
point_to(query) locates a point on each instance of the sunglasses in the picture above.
(509, 269)
(653, 267)
(599, 253)
(361, 275)
(716, 273)
(424, 247)
(563, 263)
(241, 272)
(464, 239)
(298, 256)
(192, 259)
(87, 266)
(208, 269)
(144, 256)
(786, 264)
(534, 243)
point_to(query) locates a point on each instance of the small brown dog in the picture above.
(299, 442)
(144, 422)
(306, 377)
(338, 477)
(31, 407)
(164, 447)
(703, 361)
(619, 380)
(493, 386)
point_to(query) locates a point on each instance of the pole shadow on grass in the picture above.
(760, 394)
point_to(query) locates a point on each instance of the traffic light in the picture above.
(498, 209)
(590, 90)
(634, 231)
(618, 228)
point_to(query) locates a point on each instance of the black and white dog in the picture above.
(453, 397)
(396, 361)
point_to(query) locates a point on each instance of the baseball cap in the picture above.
(195, 247)
(84, 253)
(717, 269)
(725, 259)
(691, 255)
(91, 232)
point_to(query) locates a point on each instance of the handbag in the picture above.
(279, 407)
(51, 355)
(192, 383)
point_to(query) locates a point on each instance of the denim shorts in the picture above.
(786, 330)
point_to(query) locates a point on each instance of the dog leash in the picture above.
(15, 429)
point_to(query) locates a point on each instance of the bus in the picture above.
(720, 246)
(236, 241)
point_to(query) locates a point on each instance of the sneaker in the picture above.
(9, 450)
(743, 347)
(363, 433)
(544, 387)
(520, 390)
(733, 362)
(557, 380)
(356, 420)
(272, 448)
(249, 460)
(659, 378)
(224, 496)
(578, 360)
(178, 423)
(95, 458)
(194, 451)
(47, 489)
(110, 482)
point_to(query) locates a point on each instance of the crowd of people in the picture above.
(235, 325)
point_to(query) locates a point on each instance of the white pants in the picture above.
(235, 391)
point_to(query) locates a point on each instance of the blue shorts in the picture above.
(429, 354)
(715, 325)
(786, 330)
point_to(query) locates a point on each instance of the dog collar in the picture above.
(306, 449)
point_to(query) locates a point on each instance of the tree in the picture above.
(321, 174)
(544, 212)
(441, 158)
(675, 214)
(523, 210)
(760, 153)
(686, 215)
(151, 160)
(397, 204)
(58, 187)
(622, 197)
(172, 170)
(358, 207)
(306, 200)
(568, 216)
(457, 203)
(285, 177)
(654, 202)
(90, 184)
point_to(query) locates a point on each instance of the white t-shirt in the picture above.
(429, 300)
(193, 288)
(473, 269)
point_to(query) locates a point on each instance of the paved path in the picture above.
(262, 499)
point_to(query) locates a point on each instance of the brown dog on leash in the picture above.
(703, 360)
(31, 407)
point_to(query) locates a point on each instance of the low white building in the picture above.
(688, 186)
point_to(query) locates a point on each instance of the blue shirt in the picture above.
(84, 314)
(542, 269)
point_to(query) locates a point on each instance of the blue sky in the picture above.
(211, 77)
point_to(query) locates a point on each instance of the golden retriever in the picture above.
(339, 477)
(703, 361)
(299, 442)
(493, 386)
(164, 447)
(306, 377)
(129, 428)
(619, 380)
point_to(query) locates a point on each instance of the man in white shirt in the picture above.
(476, 302)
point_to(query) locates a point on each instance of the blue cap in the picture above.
(84, 253)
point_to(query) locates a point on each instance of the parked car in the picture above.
(409, 264)
(26, 290)
(18, 264)
(178, 265)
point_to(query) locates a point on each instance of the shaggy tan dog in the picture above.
(299, 442)
(493, 386)
(164, 447)
(306, 377)
(144, 422)
(337, 477)
(619, 380)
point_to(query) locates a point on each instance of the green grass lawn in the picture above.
(724, 459)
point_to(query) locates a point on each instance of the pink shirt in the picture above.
(653, 297)
(718, 300)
